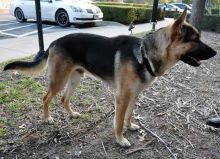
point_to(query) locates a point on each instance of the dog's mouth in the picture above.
(191, 60)
(198, 53)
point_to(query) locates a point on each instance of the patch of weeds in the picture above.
(13, 107)
(17, 94)
(86, 117)
(3, 131)
(73, 98)
(88, 101)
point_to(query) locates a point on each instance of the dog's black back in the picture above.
(96, 53)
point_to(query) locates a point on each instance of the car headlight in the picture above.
(76, 9)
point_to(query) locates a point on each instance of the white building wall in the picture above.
(4, 4)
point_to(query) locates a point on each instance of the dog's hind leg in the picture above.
(59, 71)
(72, 83)
(128, 115)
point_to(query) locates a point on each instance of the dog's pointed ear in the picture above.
(177, 25)
(180, 20)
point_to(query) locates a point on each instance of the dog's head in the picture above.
(185, 43)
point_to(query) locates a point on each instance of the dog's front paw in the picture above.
(133, 127)
(75, 114)
(123, 142)
(48, 120)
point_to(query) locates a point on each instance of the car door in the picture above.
(28, 8)
(47, 7)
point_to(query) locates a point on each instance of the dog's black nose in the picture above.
(211, 52)
(214, 53)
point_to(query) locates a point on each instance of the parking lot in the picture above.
(10, 28)
(14, 29)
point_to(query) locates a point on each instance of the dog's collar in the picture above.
(148, 66)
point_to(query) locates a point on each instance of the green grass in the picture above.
(16, 94)
(3, 131)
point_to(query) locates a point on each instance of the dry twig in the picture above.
(139, 148)
(104, 149)
(158, 138)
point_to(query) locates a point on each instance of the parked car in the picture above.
(176, 7)
(181, 7)
(63, 12)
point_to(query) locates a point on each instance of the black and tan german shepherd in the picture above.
(128, 63)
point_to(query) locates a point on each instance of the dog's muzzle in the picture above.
(200, 52)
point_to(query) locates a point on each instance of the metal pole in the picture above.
(154, 14)
(39, 28)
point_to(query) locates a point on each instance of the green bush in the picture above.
(160, 14)
(211, 23)
(126, 14)
(215, 11)
(123, 4)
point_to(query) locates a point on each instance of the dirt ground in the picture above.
(175, 108)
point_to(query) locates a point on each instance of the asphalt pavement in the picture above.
(20, 39)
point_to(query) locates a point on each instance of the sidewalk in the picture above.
(14, 48)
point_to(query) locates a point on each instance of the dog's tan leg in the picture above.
(54, 88)
(128, 116)
(59, 71)
(72, 83)
(127, 86)
(122, 102)
(46, 100)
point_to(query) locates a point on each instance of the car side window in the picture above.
(169, 6)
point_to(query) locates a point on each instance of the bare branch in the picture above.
(158, 138)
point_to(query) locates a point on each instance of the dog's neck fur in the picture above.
(155, 44)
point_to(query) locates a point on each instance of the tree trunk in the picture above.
(198, 7)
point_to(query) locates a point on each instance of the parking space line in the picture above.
(26, 34)
(7, 20)
(17, 27)
(9, 23)
(13, 35)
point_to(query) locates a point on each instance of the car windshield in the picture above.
(182, 6)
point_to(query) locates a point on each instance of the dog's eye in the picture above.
(196, 38)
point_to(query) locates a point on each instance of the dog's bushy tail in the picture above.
(34, 67)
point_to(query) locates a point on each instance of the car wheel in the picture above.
(20, 15)
(62, 18)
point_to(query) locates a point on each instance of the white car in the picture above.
(177, 7)
(63, 12)
(181, 7)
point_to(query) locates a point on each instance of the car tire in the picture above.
(62, 18)
(20, 15)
